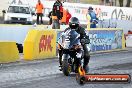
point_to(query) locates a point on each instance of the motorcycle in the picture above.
(72, 56)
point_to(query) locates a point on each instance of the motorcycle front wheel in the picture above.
(66, 67)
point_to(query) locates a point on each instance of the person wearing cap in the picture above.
(39, 9)
(94, 19)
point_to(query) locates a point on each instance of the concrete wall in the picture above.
(18, 32)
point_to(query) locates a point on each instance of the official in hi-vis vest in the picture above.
(88, 21)
(39, 11)
(94, 19)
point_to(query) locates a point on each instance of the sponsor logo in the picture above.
(45, 43)
(120, 15)
(103, 40)
(100, 13)
(104, 78)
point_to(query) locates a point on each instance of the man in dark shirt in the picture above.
(50, 17)
(57, 14)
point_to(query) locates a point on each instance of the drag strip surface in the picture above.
(46, 74)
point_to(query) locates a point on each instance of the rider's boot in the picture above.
(60, 59)
(86, 68)
(85, 65)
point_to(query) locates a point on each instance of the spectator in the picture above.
(128, 3)
(68, 16)
(121, 3)
(50, 18)
(94, 19)
(39, 9)
(57, 14)
(63, 20)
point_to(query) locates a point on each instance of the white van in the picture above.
(18, 14)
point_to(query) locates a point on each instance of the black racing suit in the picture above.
(57, 11)
(50, 17)
(83, 35)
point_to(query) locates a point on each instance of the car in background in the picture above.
(20, 14)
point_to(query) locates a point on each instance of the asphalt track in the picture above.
(45, 73)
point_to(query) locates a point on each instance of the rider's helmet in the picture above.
(74, 23)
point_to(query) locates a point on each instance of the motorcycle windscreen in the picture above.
(74, 42)
(73, 38)
(69, 38)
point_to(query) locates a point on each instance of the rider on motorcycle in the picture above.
(84, 40)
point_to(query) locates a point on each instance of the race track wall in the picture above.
(8, 52)
(36, 39)
(104, 39)
(18, 32)
(40, 44)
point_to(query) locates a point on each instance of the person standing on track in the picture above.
(39, 9)
(57, 14)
